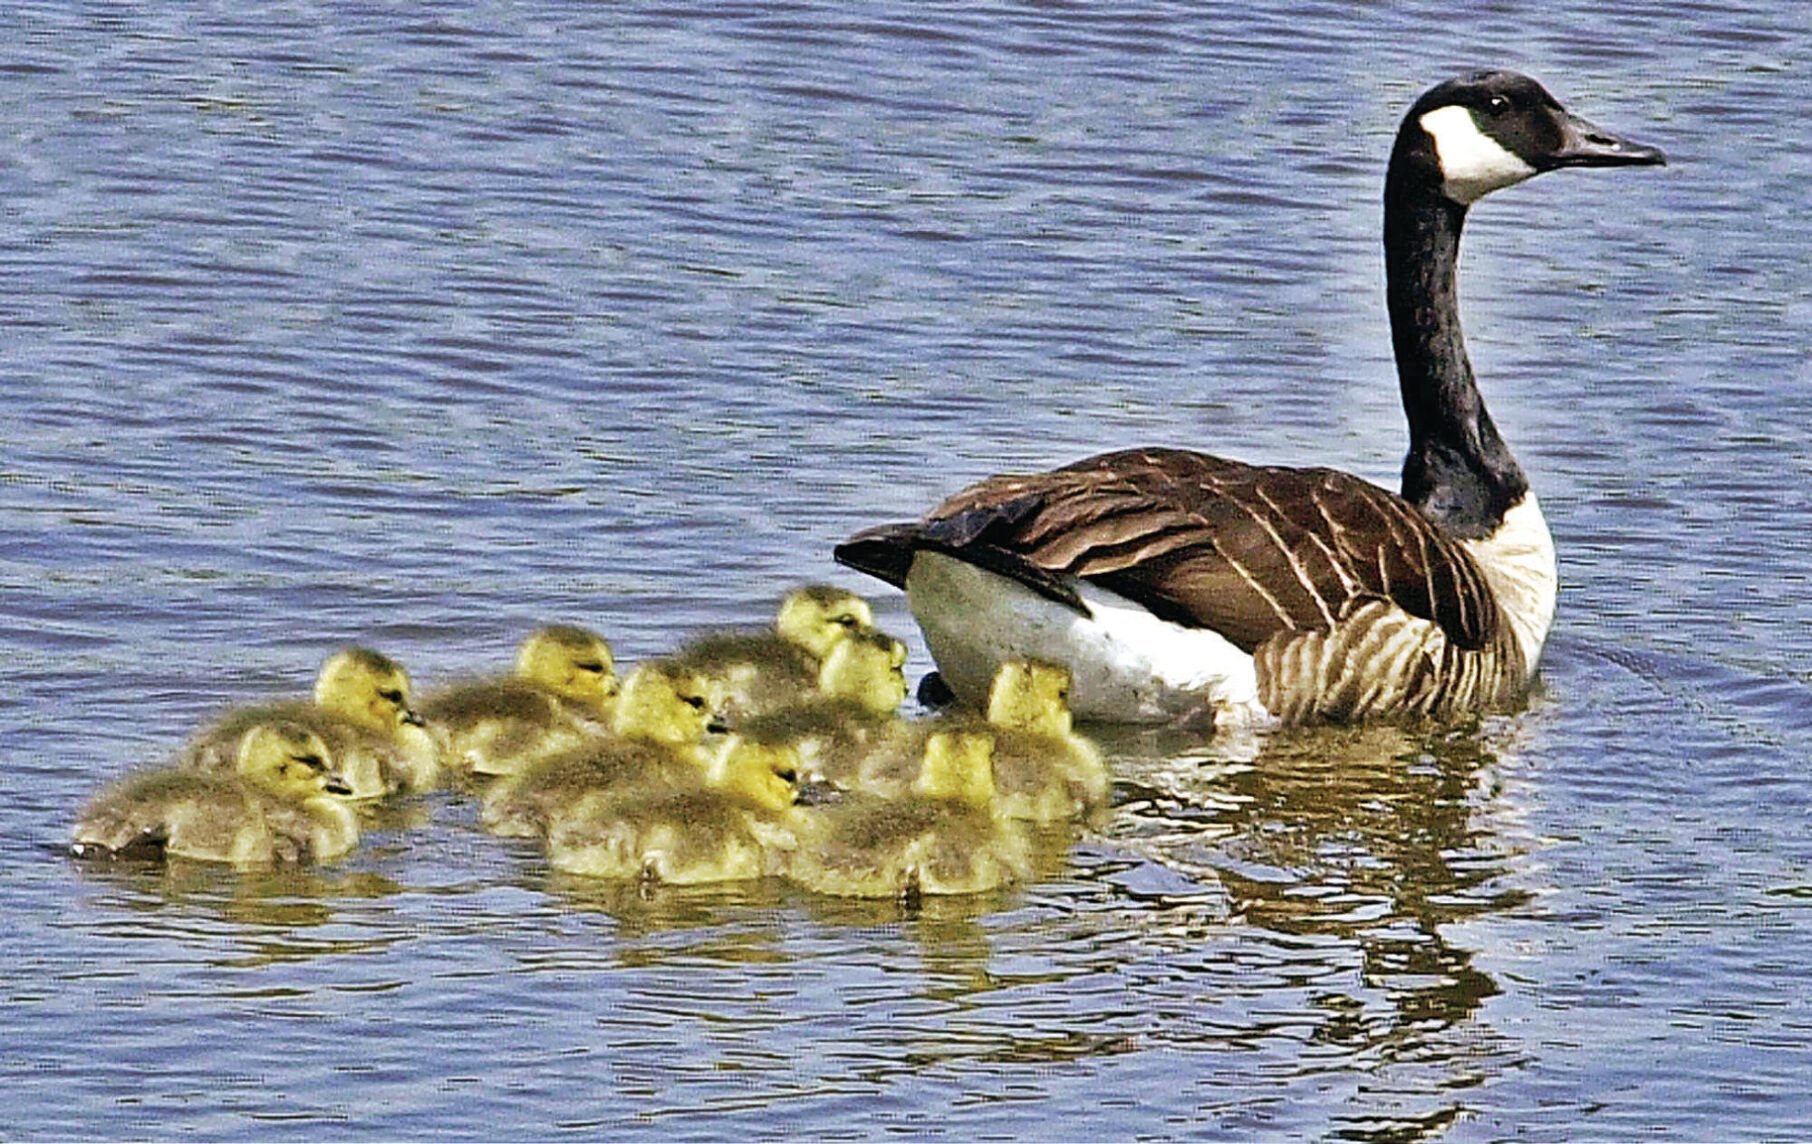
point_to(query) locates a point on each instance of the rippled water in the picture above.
(419, 325)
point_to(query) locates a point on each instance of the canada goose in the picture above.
(750, 673)
(559, 695)
(1169, 581)
(280, 804)
(657, 723)
(363, 709)
(943, 837)
(861, 685)
(735, 826)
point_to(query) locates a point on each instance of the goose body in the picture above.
(1173, 583)
(558, 697)
(281, 803)
(362, 708)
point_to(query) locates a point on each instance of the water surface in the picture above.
(418, 328)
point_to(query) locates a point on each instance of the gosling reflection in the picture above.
(656, 923)
(266, 915)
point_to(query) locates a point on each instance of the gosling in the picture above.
(657, 725)
(1043, 771)
(942, 837)
(736, 826)
(363, 709)
(282, 803)
(750, 674)
(559, 696)
(861, 684)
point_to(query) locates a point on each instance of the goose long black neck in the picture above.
(1458, 472)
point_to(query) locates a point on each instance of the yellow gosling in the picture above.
(750, 674)
(942, 837)
(363, 709)
(282, 803)
(737, 826)
(1043, 771)
(574, 663)
(817, 616)
(656, 726)
(861, 685)
(559, 696)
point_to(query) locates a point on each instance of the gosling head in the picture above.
(1030, 696)
(572, 662)
(367, 688)
(869, 668)
(766, 774)
(817, 616)
(1482, 132)
(288, 761)
(664, 704)
(958, 765)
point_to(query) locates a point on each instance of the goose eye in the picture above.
(1497, 105)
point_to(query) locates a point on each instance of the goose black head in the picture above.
(1482, 132)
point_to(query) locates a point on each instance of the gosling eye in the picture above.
(788, 775)
(312, 762)
(596, 667)
(846, 621)
(394, 695)
(695, 701)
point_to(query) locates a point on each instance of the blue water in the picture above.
(420, 326)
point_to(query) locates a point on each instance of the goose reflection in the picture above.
(1375, 840)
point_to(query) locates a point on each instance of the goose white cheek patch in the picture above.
(1473, 164)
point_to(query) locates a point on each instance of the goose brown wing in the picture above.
(1247, 551)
